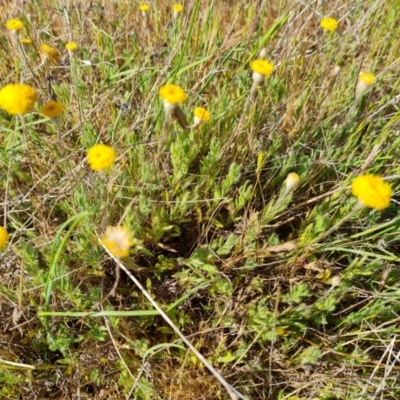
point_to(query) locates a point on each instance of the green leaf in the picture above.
(229, 357)
(296, 294)
(310, 355)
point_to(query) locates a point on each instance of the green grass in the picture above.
(241, 270)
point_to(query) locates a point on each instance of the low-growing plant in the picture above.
(199, 200)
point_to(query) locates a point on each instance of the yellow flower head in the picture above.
(367, 79)
(201, 114)
(329, 24)
(49, 53)
(118, 240)
(100, 156)
(3, 237)
(26, 41)
(52, 109)
(262, 67)
(177, 8)
(144, 8)
(17, 98)
(71, 46)
(372, 191)
(172, 94)
(292, 180)
(14, 24)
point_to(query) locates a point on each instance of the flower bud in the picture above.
(292, 180)
(337, 70)
(178, 8)
(365, 82)
(200, 115)
(262, 55)
(144, 8)
(336, 281)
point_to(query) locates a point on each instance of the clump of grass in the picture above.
(234, 262)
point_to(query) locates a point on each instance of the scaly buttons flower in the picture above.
(52, 109)
(172, 94)
(14, 24)
(100, 156)
(364, 83)
(3, 237)
(71, 46)
(262, 67)
(367, 78)
(329, 24)
(17, 98)
(118, 240)
(49, 53)
(177, 8)
(372, 191)
(201, 114)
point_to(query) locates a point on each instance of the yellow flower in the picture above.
(262, 67)
(71, 46)
(3, 237)
(100, 156)
(372, 191)
(177, 8)
(52, 109)
(367, 78)
(17, 98)
(118, 240)
(14, 24)
(201, 114)
(329, 24)
(172, 94)
(365, 81)
(144, 8)
(292, 180)
(26, 41)
(49, 53)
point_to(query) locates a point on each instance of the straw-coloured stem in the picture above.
(233, 393)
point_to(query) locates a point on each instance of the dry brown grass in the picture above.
(257, 307)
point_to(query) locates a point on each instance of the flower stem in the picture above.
(233, 393)
(359, 206)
